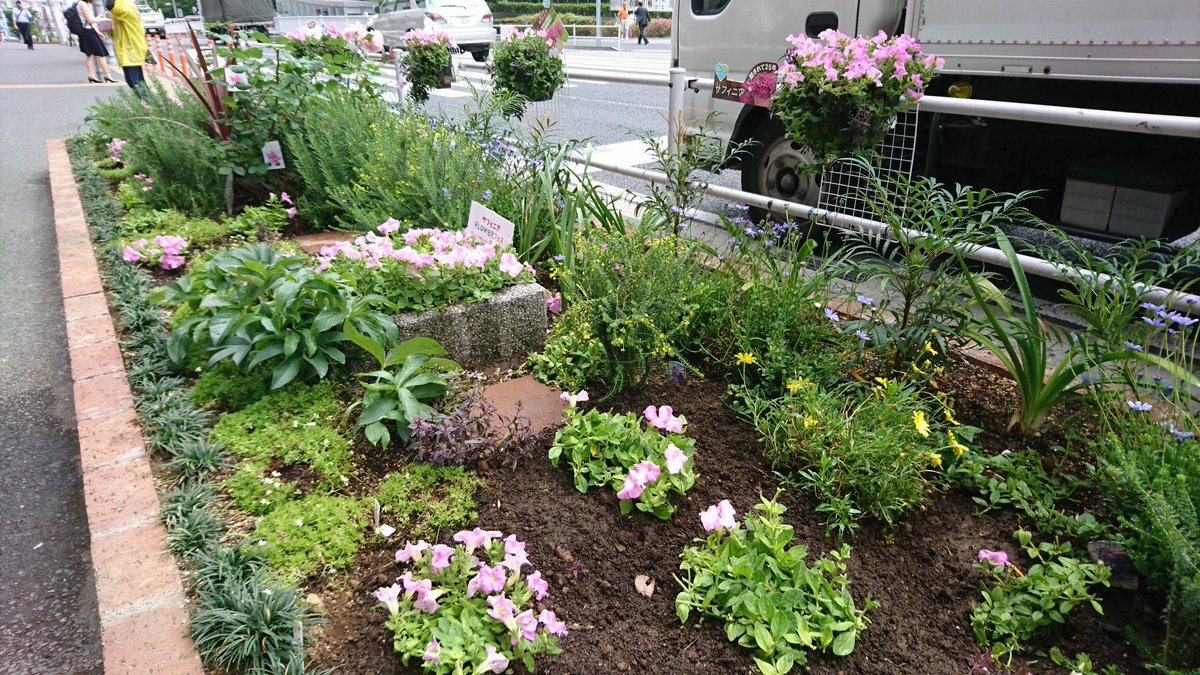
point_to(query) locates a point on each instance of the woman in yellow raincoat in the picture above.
(129, 38)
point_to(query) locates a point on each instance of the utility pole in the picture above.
(597, 23)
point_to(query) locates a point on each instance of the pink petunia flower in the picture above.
(554, 303)
(433, 653)
(495, 662)
(538, 585)
(389, 596)
(552, 624)
(442, 557)
(675, 459)
(510, 265)
(996, 558)
(719, 516)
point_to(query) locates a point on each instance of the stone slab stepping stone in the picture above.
(540, 404)
(312, 243)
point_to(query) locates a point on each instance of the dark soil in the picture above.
(922, 575)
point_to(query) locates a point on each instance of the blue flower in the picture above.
(832, 315)
(1151, 307)
(1181, 435)
(1154, 322)
(866, 300)
(559, 258)
(1180, 319)
(1139, 406)
(1136, 348)
(487, 194)
(862, 335)
(445, 192)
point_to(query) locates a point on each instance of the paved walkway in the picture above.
(48, 616)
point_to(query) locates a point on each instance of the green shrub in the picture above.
(1020, 606)
(770, 600)
(426, 501)
(223, 386)
(659, 28)
(311, 535)
(876, 455)
(298, 424)
(169, 143)
(643, 299)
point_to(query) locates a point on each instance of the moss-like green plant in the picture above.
(301, 538)
(298, 424)
(223, 386)
(425, 500)
(253, 491)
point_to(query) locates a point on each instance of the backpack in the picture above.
(74, 21)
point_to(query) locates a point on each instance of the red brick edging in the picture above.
(143, 615)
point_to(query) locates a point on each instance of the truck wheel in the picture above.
(481, 55)
(773, 168)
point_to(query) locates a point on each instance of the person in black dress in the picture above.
(91, 43)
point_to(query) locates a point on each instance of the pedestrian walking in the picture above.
(643, 19)
(23, 22)
(623, 19)
(90, 42)
(129, 39)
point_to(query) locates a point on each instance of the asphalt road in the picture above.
(48, 616)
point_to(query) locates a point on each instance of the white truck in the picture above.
(152, 20)
(1118, 55)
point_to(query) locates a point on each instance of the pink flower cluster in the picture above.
(550, 37)
(761, 85)
(167, 250)
(719, 516)
(422, 248)
(115, 148)
(146, 181)
(836, 56)
(490, 581)
(664, 418)
(421, 38)
(572, 399)
(647, 472)
(996, 558)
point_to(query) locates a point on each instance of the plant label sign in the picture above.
(272, 155)
(489, 227)
(732, 90)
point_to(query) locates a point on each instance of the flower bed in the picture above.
(756, 447)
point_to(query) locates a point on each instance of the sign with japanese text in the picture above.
(489, 227)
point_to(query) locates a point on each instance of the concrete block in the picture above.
(512, 322)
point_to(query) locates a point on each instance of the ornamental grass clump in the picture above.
(472, 607)
(526, 63)
(642, 466)
(426, 62)
(839, 94)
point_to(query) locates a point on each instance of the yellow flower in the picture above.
(919, 422)
(810, 422)
(950, 417)
(957, 447)
(935, 460)
(918, 370)
(794, 386)
(883, 381)
(745, 359)
(929, 348)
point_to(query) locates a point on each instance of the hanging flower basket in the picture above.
(526, 64)
(427, 62)
(839, 95)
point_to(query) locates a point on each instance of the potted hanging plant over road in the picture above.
(526, 63)
(427, 63)
(838, 95)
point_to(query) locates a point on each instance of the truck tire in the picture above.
(481, 55)
(772, 168)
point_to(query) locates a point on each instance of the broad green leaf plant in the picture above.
(255, 304)
(770, 600)
(409, 374)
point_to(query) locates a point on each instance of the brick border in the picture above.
(143, 615)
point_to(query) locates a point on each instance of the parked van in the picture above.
(468, 22)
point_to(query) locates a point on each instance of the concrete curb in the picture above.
(143, 615)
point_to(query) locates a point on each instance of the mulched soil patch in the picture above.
(921, 575)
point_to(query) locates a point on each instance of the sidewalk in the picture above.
(48, 614)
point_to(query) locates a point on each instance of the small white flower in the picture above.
(276, 474)
(310, 424)
(299, 522)
(264, 502)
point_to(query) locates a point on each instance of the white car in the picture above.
(468, 22)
